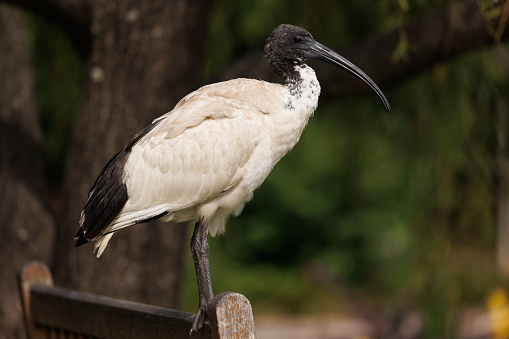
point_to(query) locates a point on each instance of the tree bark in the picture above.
(143, 59)
(26, 225)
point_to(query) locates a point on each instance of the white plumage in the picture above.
(207, 156)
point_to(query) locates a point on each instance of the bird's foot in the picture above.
(198, 321)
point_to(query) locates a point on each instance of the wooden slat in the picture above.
(33, 273)
(231, 316)
(53, 312)
(104, 317)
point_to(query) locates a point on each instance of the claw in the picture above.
(198, 322)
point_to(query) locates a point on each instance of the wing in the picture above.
(178, 170)
(108, 194)
(187, 157)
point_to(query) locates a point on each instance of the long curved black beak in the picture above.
(316, 50)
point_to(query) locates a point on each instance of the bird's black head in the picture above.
(289, 46)
(284, 48)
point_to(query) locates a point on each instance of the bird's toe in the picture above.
(199, 319)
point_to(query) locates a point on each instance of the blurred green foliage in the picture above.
(398, 209)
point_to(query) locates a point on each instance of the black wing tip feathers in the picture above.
(155, 217)
(80, 238)
(106, 199)
(108, 194)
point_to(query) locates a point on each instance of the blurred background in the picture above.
(376, 225)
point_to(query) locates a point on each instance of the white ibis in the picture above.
(203, 160)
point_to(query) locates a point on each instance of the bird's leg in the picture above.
(200, 251)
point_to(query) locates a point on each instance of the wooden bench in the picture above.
(54, 312)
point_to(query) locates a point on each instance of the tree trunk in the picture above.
(26, 225)
(144, 57)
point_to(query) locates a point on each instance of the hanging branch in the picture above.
(439, 35)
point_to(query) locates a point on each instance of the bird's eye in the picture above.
(297, 39)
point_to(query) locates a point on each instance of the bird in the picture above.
(202, 161)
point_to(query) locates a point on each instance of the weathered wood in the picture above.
(231, 316)
(104, 317)
(58, 312)
(32, 274)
